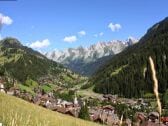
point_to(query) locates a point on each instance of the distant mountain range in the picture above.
(86, 60)
(128, 73)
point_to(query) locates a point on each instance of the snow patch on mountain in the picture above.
(90, 54)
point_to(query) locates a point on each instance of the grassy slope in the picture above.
(89, 93)
(17, 112)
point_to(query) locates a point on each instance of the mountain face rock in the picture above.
(82, 59)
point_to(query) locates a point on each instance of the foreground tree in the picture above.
(84, 113)
(165, 99)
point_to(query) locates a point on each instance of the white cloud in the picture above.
(99, 34)
(40, 44)
(5, 20)
(114, 27)
(27, 44)
(70, 39)
(82, 33)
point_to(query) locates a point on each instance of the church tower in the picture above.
(75, 100)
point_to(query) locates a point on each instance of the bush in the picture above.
(84, 113)
(8, 85)
(165, 99)
(64, 96)
(86, 86)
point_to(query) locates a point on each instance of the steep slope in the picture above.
(86, 60)
(16, 112)
(128, 73)
(22, 63)
(90, 68)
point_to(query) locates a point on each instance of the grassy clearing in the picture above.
(115, 72)
(67, 78)
(47, 88)
(13, 57)
(17, 112)
(89, 93)
(26, 88)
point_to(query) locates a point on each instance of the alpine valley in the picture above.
(109, 83)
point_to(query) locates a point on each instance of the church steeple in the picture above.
(75, 99)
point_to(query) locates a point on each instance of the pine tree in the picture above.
(84, 113)
(165, 99)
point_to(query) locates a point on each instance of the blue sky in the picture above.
(55, 24)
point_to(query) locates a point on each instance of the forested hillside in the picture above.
(21, 63)
(128, 73)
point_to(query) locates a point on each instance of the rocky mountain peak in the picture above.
(10, 42)
(80, 56)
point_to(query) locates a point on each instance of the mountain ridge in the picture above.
(81, 59)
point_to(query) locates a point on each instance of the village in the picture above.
(104, 114)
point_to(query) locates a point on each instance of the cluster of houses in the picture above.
(152, 119)
(59, 105)
(104, 114)
(130, 102)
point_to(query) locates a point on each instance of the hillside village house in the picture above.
(2, 89)
(14, 91)
(10, 91)
(151, 120)
(104, 115)
(72, 111)
(153, 117)
(164, 120)
(110, 98)
(45, 100)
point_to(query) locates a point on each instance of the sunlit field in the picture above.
(17, 112)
